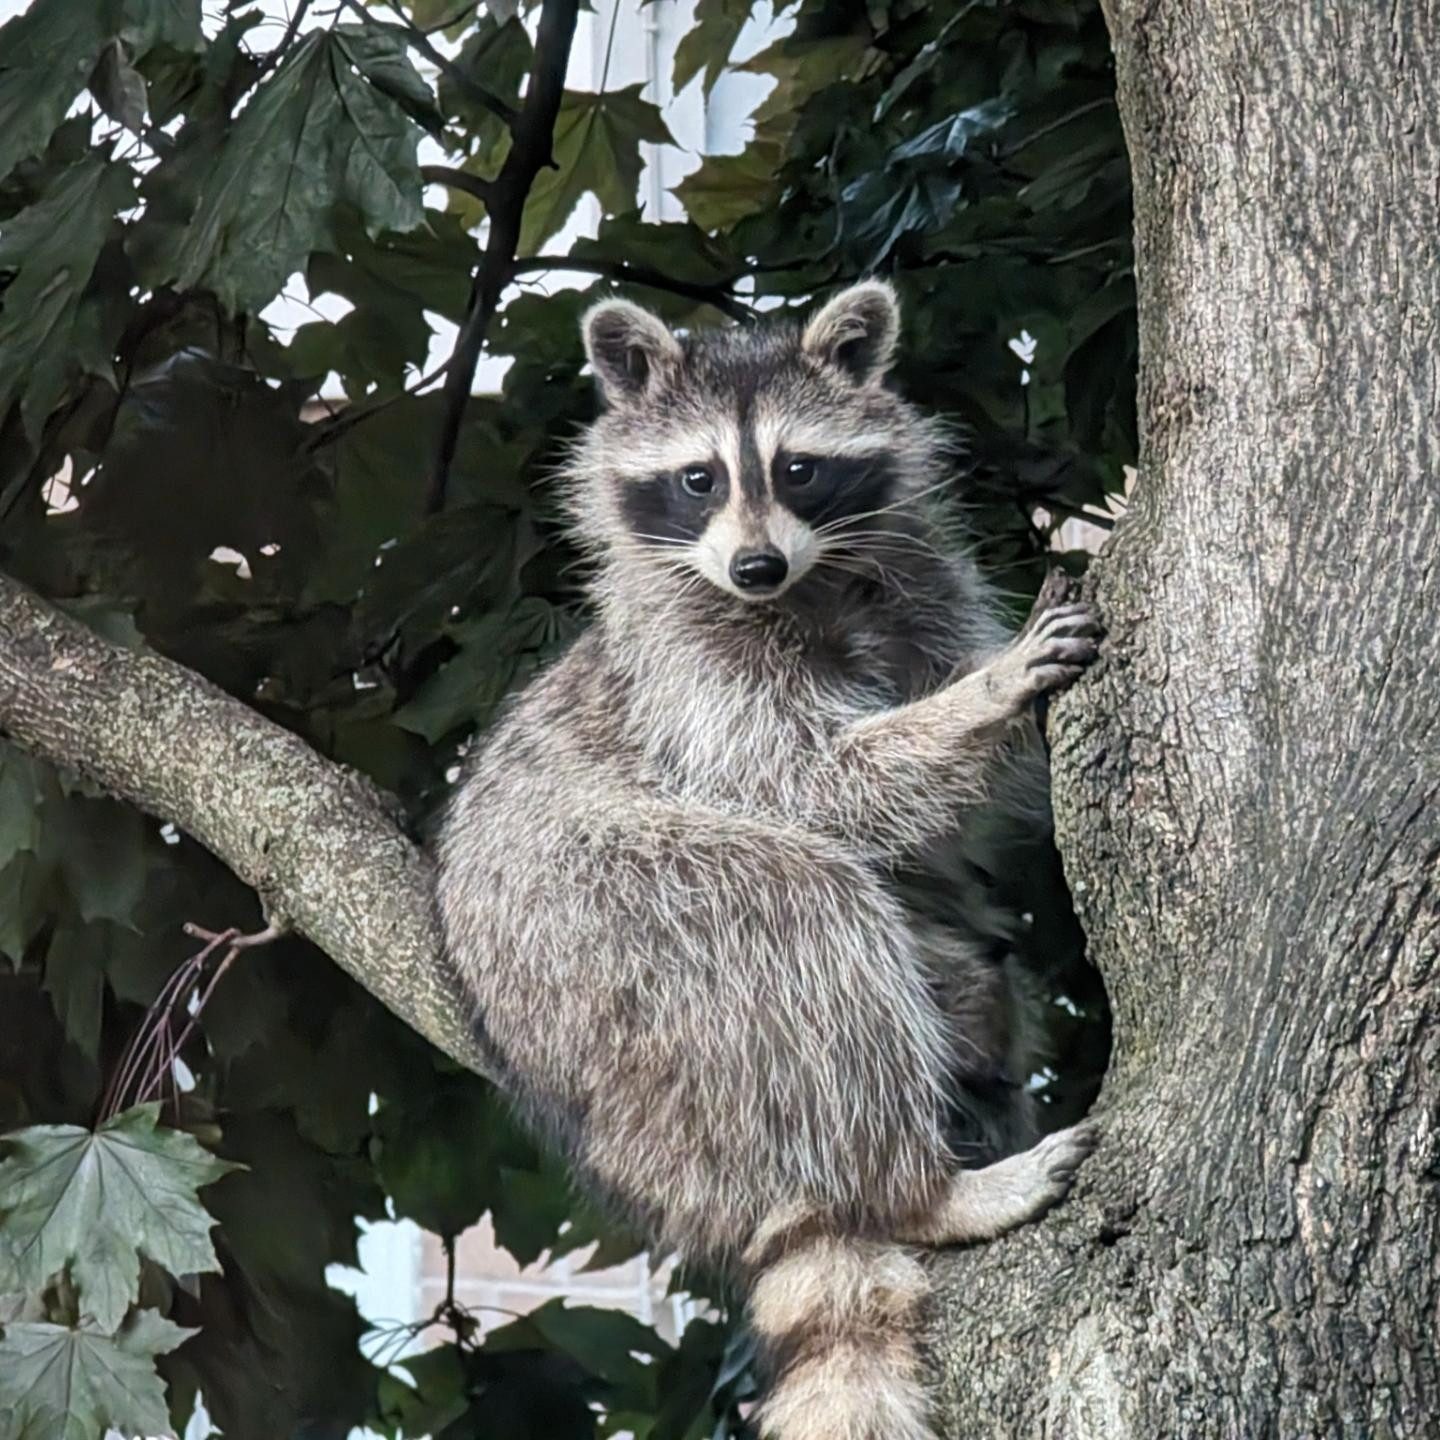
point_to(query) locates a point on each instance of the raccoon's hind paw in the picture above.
(982, 1204)
(1049, 1166)
(1062, 1154)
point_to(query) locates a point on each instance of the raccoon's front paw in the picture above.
(1051, 653)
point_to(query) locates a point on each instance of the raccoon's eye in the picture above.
(697, 480)
(800, 471)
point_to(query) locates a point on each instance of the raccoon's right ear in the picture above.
(857, 331)
(630, 349)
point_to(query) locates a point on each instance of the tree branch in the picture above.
(529, 154)
(297, 19)
(482, 190)
(717, 293)
(314, 839)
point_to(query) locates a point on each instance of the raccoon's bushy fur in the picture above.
(680, 879)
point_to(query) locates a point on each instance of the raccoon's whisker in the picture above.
(678, 564)
(851, 565)
(669, 562)
(873, 549)
(689, 578)
(681, 569)
(867, 567)
(884, 509)
(904, 566)
(855, 570)
(890, 539)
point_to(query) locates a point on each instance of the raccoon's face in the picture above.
(747, 457)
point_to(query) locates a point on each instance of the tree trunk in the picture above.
(1248, 787)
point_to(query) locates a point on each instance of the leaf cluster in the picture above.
(255, 504)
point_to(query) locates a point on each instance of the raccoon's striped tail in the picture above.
(837, 1319)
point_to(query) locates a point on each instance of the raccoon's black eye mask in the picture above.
(822, 488)
(676, 506)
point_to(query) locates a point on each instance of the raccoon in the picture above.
(675, 878)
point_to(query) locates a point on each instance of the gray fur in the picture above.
(680, 878)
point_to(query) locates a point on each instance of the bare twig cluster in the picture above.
(146, 1068)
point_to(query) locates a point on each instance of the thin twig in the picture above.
(238, 945)
(341, 422)
(1090, 516)
(533, 132)
(150, 1056)
(297, 19)
(482, 190)
(1059, 124)
(462, 13)
(718, 293)
(136, 1053)
(238, 941)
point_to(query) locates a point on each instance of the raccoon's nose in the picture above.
(758, 569)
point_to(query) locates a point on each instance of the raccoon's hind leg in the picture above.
(981, 1204)
(990, 1011)
(837, 1313)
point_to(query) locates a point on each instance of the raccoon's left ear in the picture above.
(857, 331)
(629, 348)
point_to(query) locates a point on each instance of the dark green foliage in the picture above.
(94, 1202)
(970, 151)
(596, 148)
(55, 1380)
(318, 137)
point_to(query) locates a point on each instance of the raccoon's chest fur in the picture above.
(726, 712)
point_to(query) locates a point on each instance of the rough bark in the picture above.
(315, 840)
(1248, 787)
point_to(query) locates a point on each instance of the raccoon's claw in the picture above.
(1061, 643)
(1077, 619)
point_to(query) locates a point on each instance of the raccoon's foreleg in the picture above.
(895, 779)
